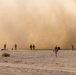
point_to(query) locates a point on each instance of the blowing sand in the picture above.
(36, 62)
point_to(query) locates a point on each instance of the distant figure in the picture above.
(5, 46)
(72, 47)
(12, 48)
(15, 46)
(30, 46)
(56, 50)
(33, 47)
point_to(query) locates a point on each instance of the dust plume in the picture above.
(45, 23)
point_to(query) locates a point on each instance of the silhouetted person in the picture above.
(31, 46)
(12, 48)
(56, 50)
(15, 46)
(72, 47)
(4, 46)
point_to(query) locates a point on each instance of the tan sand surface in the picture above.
(36, 62)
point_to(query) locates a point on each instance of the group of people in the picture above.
(15, 46)
(32, 46)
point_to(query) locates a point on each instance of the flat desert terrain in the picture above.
(38, 62)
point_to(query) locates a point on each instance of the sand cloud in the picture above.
(46, 23)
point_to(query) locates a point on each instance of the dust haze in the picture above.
(45, 23)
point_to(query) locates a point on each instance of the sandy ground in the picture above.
(36, 62)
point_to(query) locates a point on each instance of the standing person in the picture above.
(72, 47)
(12, 48)
(30, 46)
(5, 46)
(33, 47)
(59, 48)
(15, 46)
(56, 50)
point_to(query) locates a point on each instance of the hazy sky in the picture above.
(45, 23)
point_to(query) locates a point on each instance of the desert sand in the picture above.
(38, 62)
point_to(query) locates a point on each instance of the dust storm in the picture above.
(45, 23)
